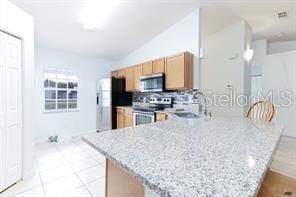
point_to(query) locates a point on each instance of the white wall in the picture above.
(182, 36)
(260, 51)
(247, 65)
(224, 65)
(14, 21)
(278, 75)
(89, 70)
(278, 47)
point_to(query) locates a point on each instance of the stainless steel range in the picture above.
(145, 114)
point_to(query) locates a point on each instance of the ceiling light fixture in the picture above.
(95, 13)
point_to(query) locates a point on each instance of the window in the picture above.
(60, 90)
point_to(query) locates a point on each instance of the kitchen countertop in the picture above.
(124, 107)
(193, 157)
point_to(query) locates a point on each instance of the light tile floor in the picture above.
(70, 168)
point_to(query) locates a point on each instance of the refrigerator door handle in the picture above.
(98, 100)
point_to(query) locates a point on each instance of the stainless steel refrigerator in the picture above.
(110, 93)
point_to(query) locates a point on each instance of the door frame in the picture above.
(22, 93)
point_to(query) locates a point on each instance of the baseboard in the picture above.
(68, 136)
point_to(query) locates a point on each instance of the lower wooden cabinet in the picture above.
(121, 184)
(128, 117)
(124, 117)
(161, 117)
(277, 185)
(120, 118)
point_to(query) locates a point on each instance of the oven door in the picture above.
(152, 83)
(143, 118)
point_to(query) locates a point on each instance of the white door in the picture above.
(11, 110)
(2, 112)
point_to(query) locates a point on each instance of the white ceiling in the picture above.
(260, 15)
(137, 21)
(133, 24)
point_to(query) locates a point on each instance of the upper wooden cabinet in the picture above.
(147, 68)
(121, 73)
(129, 80)
(158, 66)
(179, 72)
(137, 73)
(114, 74)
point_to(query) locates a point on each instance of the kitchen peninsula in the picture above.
(188, 157)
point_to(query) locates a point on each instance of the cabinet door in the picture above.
(114, 74)
(120, 118)
(129, 80)
(161, 117)
(158, 66)
(128, 122)
(137, 72)
(147, 68)
(128, 118)
(121, 73)
(179, 72)
(175, 72)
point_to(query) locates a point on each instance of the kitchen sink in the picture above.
(186, 115)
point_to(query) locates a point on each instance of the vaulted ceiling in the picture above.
(136, 22)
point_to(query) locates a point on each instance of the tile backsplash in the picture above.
(179, 97)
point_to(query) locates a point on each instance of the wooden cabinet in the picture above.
(161, 117)
(128, 117)
(129, 80)
(137, 72)
(121, 73)
(114, 74)
(147, 68)
(158, 66)
(124, 117)
(120, 118)
(276, 184)
(119, 183)
(179, 71)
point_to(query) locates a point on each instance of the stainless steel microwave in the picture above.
(152, 83)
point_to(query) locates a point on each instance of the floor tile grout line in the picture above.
(18, 193)
(42, 185)
(57, 150)
(31, 188)
(42, 182)
(84, 185)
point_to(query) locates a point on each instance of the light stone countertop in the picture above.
(124, 107)
(193, 157)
